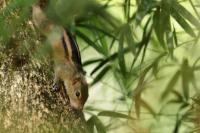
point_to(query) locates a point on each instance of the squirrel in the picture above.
(68, 68)
(67, 60)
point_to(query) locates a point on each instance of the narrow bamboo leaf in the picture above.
(183, 23)
(112, 43)
(110, 19)
(196, 62)
(144, 8)
(100, 65)
(155, 69)
(146, 38)
(137, 105)
(104, 44)
(88, 41)
(127, 9)
(101, 74)
(177, 125)
(121, 55)
(186, 14)
(114, 114)
(138, 90)
(105, 61)
(178, 95)
(169, 35)
(185, 78)
(159, 19)
(92, 61)
(90, 125)
(90, 26)
(139, 87)
(179, 98)
(184, 105)
(144, 42)
(170, 85)
(175, 37)
(148, 107)
(130, 40)
(98, 124)
(170, 42)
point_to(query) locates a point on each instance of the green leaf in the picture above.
(185, 78)
(178, 95)
(121, 55)
(159, 20)
(144, 42)
(138, 90)
(146, 37)
(88, 41)
(144, 7)
(105, 61)
(183, 23)
(148, 107)
(114, 114)
(137, 99)
(127, 4)
(170, 42)
(175, 37)
(171, 85)
(92, 61)
(186, 14)
(94, 121)
(130, 40)
(90, 125)
(93, 27)
(177, 125)
(103, 43)
(101, 74)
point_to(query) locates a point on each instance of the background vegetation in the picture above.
(141, 58)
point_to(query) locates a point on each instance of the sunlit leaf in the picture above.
(88, 41)
(121, 55)
(185, 78)
(170, 85)
(92, 61)
(130, 40)
(94, 121)
(175, 37)
(127, 4)
(144, 42)
(159, 19)
(90, 125)
(186, 14)
(106, 60)
(137, 92)
(148, 107)
(183, 23)
(101, 74)
(93, 27)
(177, 125)
(144, 8)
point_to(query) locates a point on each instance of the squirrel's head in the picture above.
(78, 92)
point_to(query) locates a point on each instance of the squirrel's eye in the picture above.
(77, 94)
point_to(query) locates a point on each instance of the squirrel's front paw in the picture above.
(56, 87)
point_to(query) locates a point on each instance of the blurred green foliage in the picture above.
(139, 43)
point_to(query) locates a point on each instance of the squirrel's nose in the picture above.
(76, 105)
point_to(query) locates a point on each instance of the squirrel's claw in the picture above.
(56, 87)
